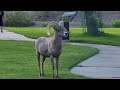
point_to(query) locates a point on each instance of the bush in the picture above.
(100, 23)
(116, 23)
(18, 19)
(44, 24)
(45, 15)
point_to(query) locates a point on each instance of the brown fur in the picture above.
(50, 47)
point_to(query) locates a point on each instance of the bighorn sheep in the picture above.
(50, 47)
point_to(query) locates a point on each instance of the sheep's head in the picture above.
(58, 27)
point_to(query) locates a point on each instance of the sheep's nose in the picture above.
(65, 34)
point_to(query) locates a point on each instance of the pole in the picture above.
(66, 25)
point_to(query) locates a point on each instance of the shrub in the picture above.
(45, 15)
(116, 23)
(18, 19)
(100, 23)
(44, 24)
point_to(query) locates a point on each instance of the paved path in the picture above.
(13, 36)
(105, 65)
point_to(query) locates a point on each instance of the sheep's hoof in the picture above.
(57, 77)
(52, 76)
(42, 74)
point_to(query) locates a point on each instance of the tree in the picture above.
(91, 23)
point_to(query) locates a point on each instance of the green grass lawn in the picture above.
(18, 60)
(112, 36)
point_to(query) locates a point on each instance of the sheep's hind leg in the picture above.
(57, 59)
(38, 55)
(43, 59)
(52, 61)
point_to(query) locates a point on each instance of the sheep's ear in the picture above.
(61, 23)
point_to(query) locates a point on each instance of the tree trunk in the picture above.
(92, 28)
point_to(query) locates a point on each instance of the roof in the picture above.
(69, 13)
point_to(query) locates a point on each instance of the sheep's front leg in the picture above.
(57, 59)
(52, 61)
(38, 55)
(43, 59)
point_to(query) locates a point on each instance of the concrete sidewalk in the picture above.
(105, 65)
(13, 36)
